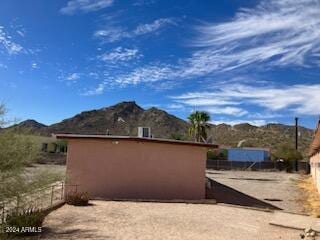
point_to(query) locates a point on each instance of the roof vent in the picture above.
(144, 132)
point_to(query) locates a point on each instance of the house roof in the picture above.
(251, 148)
(315, 144)
(129, 138)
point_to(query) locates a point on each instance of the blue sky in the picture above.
(242, 61)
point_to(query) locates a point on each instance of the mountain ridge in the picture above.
(124, 118)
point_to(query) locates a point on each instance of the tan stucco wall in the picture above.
(315, 169)
(136, 170)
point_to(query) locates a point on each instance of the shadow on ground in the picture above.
(68, 229)
(224, 194)
(74, 233)
(255, 179)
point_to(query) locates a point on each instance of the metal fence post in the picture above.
(18, 203)
(62, 190)
(51, 202)
(3, 212)
(260, 166)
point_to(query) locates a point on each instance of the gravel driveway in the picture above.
(276, 188)
(159, 221)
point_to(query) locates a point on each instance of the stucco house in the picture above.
(314, 154)
(122, 167)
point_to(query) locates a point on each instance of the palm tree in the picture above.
(199, 124)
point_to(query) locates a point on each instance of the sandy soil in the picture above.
(170, 221)
(280, 187)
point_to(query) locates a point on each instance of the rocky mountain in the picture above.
(121, 119)
(29, 125)
(125, 117)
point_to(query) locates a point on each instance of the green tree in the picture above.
(19, 150)
(199, 125)
(288, 154)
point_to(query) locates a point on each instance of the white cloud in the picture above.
(73, 77)
(74, 6)
(235, 111)
(21, 32)
(120, 54)
(298, 99)
(97, 91)
(139, 3)
(3, 66)
(175, 106)
(34, 65)
(112, 33)
(144, 74)
(256, 122)
(8, 44)
(147, 75)
(152, 27)
(277, 32)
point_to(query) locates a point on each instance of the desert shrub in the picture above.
(18, 151)
(78, 199)
(289, 154)
(24, 222)
(217, 154)
(177, 136)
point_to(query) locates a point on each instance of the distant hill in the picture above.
(124, 118)
(268, 136)
(121, 119)
(30, 126)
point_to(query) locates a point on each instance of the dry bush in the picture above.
(311, 196)
(77, 199)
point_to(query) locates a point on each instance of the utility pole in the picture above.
(296, 129)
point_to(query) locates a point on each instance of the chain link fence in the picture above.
(241, 165)
(303, 166)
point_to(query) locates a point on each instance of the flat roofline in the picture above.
(251, 148)
(129, 138)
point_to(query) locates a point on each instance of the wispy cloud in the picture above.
(73, 77)
(277, 32)
(8, 44)
(120, 54)
(143, 2)
(144, 74)
(257, 122)
(74, 6)
(3, 66)
(153, 27)
(96, 91)
(34, 65)
(112, 33)
(297, 99)
(235, 111)
(147, 75)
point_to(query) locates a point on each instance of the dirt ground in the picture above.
(170, 221)
(278, 189)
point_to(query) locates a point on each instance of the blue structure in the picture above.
(248, 154)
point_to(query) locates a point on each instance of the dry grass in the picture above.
(310, 197)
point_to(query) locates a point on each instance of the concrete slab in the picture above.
(295, 221)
